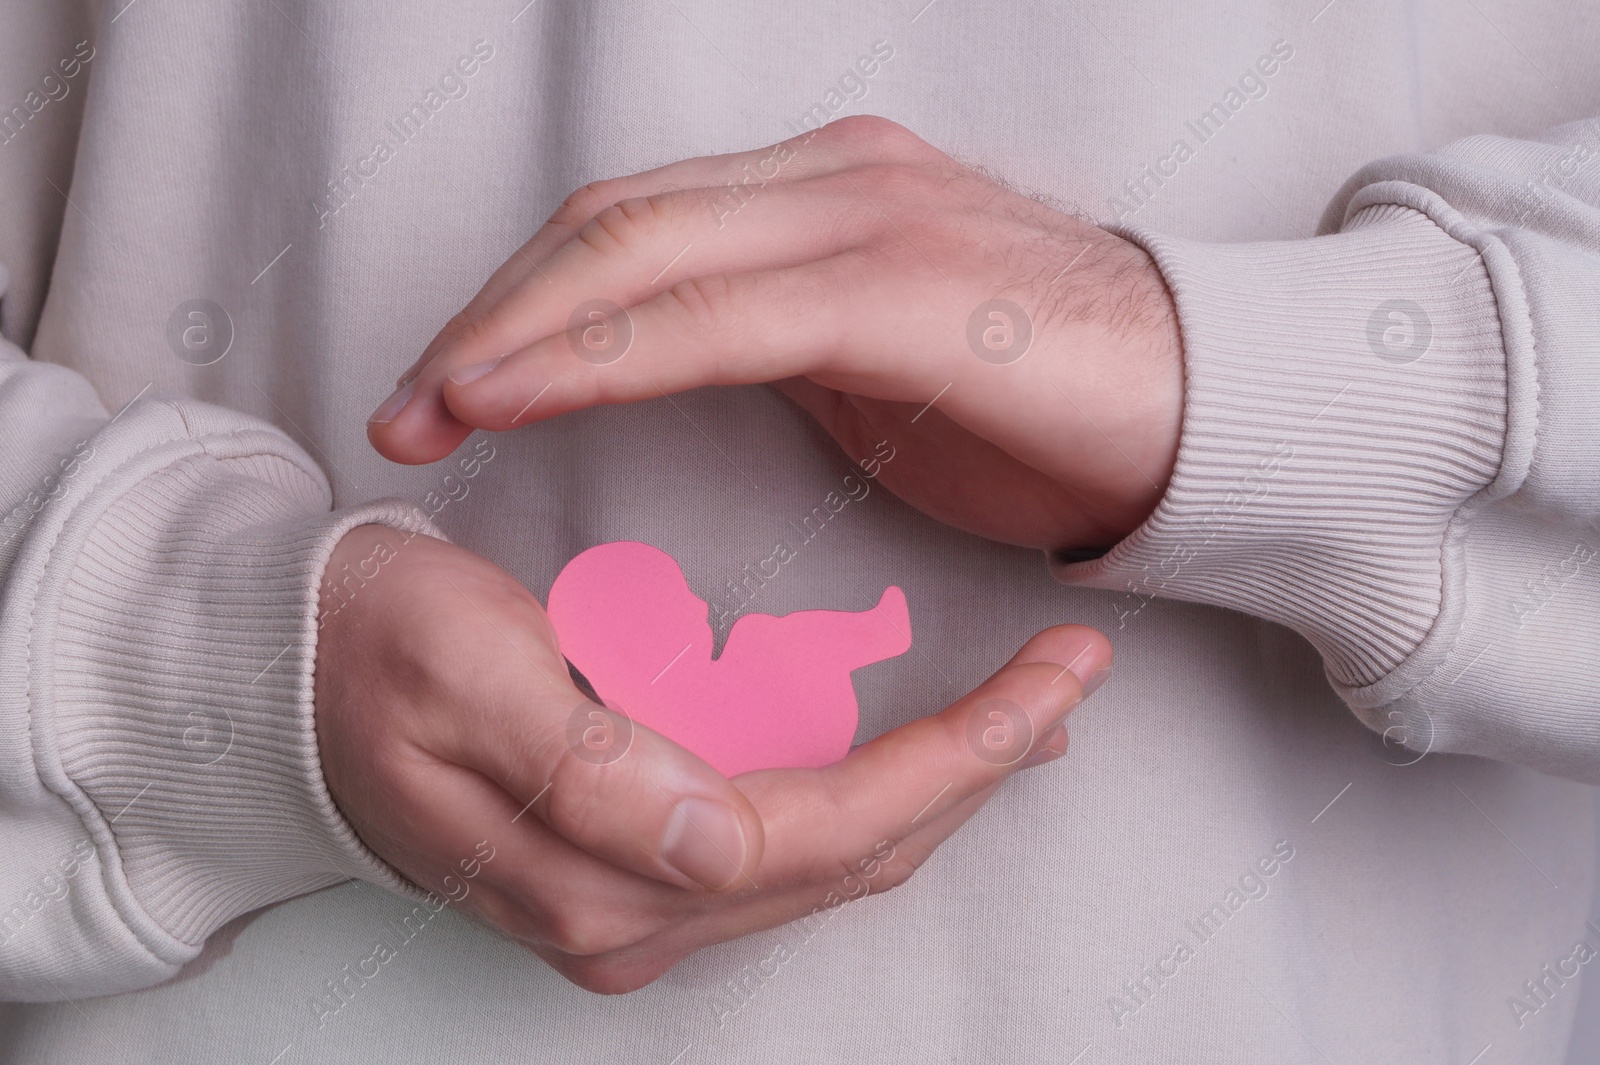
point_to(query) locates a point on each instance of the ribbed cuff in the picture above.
(1344, 395)
(174, 680)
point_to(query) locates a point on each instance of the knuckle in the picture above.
(622, 225)
(705, 303)
(593, 933)
(585, 203)
(465, 328)
(895, 872)
(877, 134)
(641, 211)
(603, 232)
(574, 804)
(512, 921)
(595, 804)
(603, 976)
(852, 130)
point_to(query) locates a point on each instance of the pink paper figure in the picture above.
(780, 694)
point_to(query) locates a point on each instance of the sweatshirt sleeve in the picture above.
(1391, 445)
(159, 772)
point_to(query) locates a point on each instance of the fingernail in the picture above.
(1095, 679)
(468, 374)
(390, 408)
(1052, 745)
(1089, 665)
(705, 842)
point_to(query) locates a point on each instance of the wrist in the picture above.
(351, 618)
(1142, 417)
(1158, 348)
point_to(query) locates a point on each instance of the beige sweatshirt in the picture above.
(229, 226)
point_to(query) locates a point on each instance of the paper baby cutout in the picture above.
(780, 694)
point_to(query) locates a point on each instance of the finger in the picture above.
(739, 175)
(636, 799)
(641, 246)
(718, 329)
(515, 872)
(578, 209)
(889, 864)
(617, 790)
(530, 882)
(621, 792)
(493, 858)
(809, 908)
(736, 178)
(893, 785)
(627, 254)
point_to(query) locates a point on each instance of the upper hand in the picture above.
(855, 267)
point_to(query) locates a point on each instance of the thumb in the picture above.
(620, 791)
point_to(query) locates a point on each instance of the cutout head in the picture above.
(638, 596)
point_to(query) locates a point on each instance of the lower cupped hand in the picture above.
(455, 744)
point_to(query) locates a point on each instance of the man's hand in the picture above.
(1024, 364)
(455, 744)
